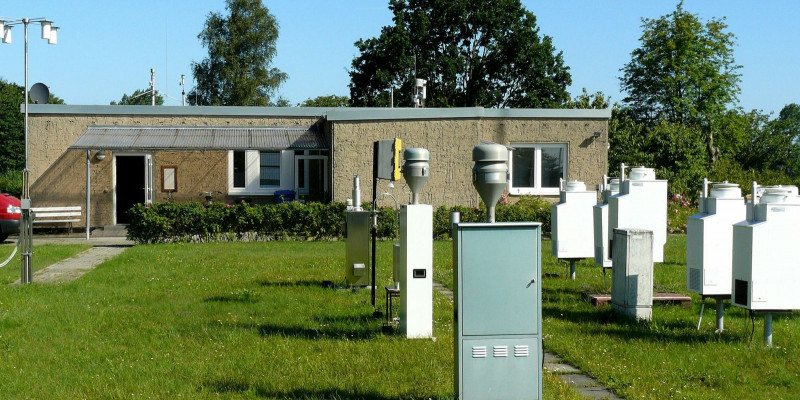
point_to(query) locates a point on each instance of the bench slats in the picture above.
(55, 209)
(56, 214)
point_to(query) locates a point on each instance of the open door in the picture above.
(311, 177)
(133, 183)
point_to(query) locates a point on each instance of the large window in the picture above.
(537, 168)
(257, 172)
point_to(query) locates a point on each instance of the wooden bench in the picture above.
(57, 215)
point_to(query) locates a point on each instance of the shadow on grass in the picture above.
(297, 283)
(605, 321)
(333, 328)
(232, 386)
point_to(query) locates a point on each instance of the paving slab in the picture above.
(74, 267)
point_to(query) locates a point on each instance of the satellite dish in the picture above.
(39, 93)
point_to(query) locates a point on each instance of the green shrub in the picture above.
(11, 183)
(199, 222)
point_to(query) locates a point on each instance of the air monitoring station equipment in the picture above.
(765, 253)
(497, 308)
(602, 254)
(414, 255)
(571, 223)
(356, 233)
(709, 244)
(641, 203)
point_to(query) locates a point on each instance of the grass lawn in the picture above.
(668, 357)
(218, 320)
(43, 256)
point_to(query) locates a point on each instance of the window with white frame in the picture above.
(256, 172)
(537, 168)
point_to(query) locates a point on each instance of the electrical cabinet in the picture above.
(357, 247)
(642, 204)
(709, 240)
(498, 325)
(765, 253)
(571, 223)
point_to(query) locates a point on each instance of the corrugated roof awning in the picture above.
(199, 138)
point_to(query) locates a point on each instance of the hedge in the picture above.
(201, 222)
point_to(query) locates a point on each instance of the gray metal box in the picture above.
(498, 324)
(357, 248)
(632, 276)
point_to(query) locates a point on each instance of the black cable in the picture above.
(753, 321)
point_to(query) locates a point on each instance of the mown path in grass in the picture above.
(234, 320)
(43, 256)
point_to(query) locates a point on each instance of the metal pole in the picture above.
(152, 86)
(768, 329)
(27, 242)
(572, 269)
(374, 219)
(88, 190)
(720, 314)
(455, 217)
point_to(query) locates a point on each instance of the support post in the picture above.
(88, 190)
(375, 313)
(768, 329)
(720, 314)
(572, 269)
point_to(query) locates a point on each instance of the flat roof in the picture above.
(329, 113)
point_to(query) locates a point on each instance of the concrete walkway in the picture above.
(582, 383)
(103, 249)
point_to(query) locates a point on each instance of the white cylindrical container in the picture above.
(780, 194)
(576, 186)
(726, 190)
(642, 174)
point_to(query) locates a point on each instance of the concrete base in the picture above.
(639, 313)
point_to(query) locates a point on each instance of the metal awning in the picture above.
(199, 138)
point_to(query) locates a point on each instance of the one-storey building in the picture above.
(136, 154)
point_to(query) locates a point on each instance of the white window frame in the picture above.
(252, 168)
(537, 189)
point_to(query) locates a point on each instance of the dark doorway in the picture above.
(130, 185)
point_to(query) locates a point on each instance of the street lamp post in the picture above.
(50, 33)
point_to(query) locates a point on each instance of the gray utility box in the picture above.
(498, 311)
(632, 277)
(357, 245)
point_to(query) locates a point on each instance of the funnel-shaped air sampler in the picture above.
(490, 174)
(416, 170)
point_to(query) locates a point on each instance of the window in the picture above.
(537, 168)
(239, 177)
(257, 172)
(270, 173)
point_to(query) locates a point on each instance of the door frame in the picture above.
(148, 178)
(305, 170)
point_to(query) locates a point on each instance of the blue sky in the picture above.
(106, 48)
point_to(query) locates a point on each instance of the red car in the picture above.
(9, 215)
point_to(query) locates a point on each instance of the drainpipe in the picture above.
(88, 189)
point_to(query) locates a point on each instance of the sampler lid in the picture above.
(576, 186)
(489, 152)
(780, 194)
(726, 190)
(642, 174)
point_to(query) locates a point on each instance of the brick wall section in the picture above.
(450, 143)
(58, 175)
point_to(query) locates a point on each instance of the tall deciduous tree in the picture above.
(331, 100)
(12, 126)
(471, 52)
(141, 97)
(241, 46)
(683, 73)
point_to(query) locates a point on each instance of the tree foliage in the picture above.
(12, 126)
(471, 52)
(326, 101)
(241, 46)
(141, 97)
(683, 73)
(597, 101)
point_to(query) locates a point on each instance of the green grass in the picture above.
(43, 256)
(667, 357)
(216, 320)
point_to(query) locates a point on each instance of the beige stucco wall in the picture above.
(450, 143)
(58, 175)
